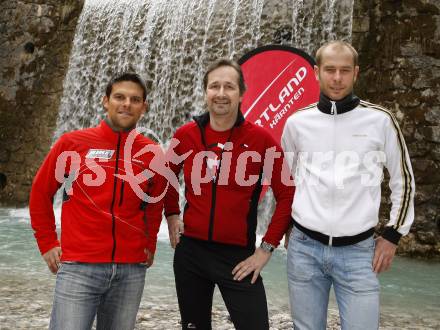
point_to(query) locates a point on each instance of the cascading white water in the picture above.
(170, 42)
(166, 42)
(321, 19)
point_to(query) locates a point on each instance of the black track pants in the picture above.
(198, 267)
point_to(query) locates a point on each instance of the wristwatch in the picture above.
(267, 247)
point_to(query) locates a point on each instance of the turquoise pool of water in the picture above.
(410, 287)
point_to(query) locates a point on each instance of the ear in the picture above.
(356, 72)
(145, 107)
(105, 102)
(316, 69)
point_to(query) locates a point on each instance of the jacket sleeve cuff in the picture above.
(392, 235)
(151, 246)
(44, 247)
(271, 241)
(170, 213)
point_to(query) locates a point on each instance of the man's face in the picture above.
(125, 105)
(336, 73)
(223, 93)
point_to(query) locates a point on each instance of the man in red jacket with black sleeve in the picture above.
(111, 212)
(225, 160)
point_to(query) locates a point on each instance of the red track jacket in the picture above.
(104, 217)
(221, 209)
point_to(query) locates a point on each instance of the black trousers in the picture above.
(198, 267)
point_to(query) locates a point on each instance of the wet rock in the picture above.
(33, 60)
(428, 238)
(404, 45)
(431, 133)
(433, 115)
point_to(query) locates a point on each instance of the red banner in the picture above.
(280, 80)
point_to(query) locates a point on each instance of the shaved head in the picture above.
(339, 46)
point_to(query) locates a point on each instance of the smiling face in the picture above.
(223, 94)
(125, 105)
(337, 72)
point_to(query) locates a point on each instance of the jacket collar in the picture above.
(348, 103)
(110, 133)
(108, 123)
(203, 120)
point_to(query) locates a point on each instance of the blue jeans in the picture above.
(111, 292)
(312, 268)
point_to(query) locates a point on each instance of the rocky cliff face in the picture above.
(36, 39)
(399, 43)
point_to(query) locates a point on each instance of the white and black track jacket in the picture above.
(337, 151)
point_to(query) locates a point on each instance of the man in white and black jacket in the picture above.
(338, 148)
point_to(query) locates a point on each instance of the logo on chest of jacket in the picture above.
(137, 161)
(100, 154)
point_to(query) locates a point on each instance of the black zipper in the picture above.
(145, 222)
(121, 197)
(211, 216)
(114, 197)
(214, 189)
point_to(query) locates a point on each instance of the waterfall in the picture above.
(320, 19)
(170, 42)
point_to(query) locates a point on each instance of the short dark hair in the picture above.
(225, 62)
(126, 76)
(339, 44)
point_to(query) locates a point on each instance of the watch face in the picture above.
(267, 247)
